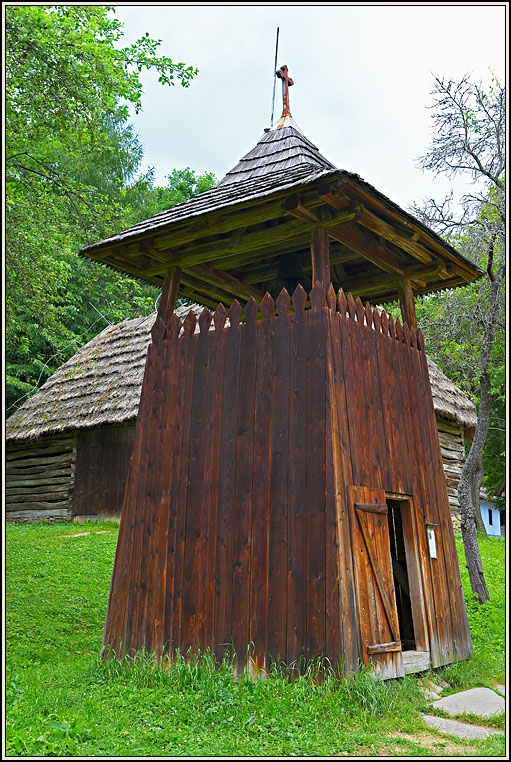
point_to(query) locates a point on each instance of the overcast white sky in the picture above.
(363, 75)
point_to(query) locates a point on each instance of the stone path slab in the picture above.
(481, 701)
(458, 729)
(501, 689)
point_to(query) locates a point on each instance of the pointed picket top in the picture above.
(420, 341)
(377, 320)
(219, 317)
(283, 302)
(330, 297)
(158, 331)
(251, 310)
(173, 326)
(267, 307)
(407, 335)
(359, 309)
(204, 320)
(369, 315)
(317, 297)
(384, 323)
(399, 330)
(190, 322)
(299, 298)
(351, 307)
(341, 303)
(392, 326)
(235, 313)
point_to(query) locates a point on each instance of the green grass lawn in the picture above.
(63, 700)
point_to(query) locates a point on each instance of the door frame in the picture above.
(415, 579)
(377, 617)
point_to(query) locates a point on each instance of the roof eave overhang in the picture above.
(155, 239)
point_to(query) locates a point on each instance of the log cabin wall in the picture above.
(253, 436)
(39, 479)
(452, 447)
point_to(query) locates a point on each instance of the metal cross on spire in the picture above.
(286, 84)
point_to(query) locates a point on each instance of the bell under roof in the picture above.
(228, 240)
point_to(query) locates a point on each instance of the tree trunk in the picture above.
(476, 495)
(469, 476)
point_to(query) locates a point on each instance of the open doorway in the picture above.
(400, 572)
(409, 593)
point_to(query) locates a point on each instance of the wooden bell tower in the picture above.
(286, 497)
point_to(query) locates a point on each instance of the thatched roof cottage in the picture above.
(68, 446)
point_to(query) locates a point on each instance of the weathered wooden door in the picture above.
(376, 599)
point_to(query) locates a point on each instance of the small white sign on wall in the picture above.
(432, 542)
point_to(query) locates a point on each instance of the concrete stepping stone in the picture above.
(430, 695)
(431, 690)
(501, 689)
(481, 701)
(458, 729)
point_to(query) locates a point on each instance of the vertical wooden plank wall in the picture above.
(393, 444)
(235, 532)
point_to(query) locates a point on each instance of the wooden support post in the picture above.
(169, 293)
(320, 250)
(407, 303)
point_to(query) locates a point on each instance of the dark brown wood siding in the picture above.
(102, 461)
(39, 479)
(252, 432)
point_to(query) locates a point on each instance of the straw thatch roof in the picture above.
(450, 401)
(101, 384)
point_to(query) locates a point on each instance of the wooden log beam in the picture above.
(322, 217)
(169, 292)
(251, 242)
(379, 282)
(242, 260)
(56, 493)
(406, 240)
(13, 482)
(219, 224)
(356, 191)
(200, 298)
(396, 234)
(320, 253)
(294, 206)
(350, 235)
(50, 460)
(407, 303)
(214, 292)
(50, 507)
(59, 447)
(349, 214)
(267, 271)
(225, 281)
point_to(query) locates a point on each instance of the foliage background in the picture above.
(72, 162)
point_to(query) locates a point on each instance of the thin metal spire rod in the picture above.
(274, 76)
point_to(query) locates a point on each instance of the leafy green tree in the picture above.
(71, 159)
(50, 317)
(143, 199)
(467, 325)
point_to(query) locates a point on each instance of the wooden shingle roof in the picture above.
(280, 149)
(228, 240)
